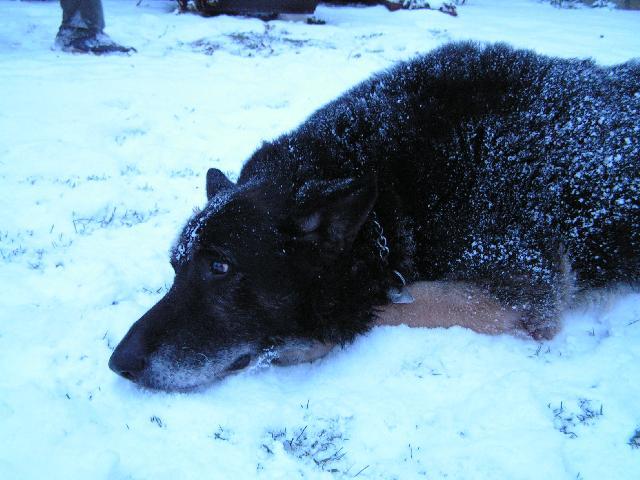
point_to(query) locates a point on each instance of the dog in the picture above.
(500, 170)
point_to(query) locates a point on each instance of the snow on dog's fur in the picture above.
(510, 175)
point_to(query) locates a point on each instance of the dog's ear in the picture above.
(216, 181)
(330, 213)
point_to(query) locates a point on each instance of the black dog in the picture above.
(512, 171)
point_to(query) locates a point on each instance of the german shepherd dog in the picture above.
(510, 172)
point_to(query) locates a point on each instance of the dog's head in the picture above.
(243, 268)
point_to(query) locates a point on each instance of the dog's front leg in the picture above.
(535, 282)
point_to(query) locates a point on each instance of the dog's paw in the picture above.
(541, 329)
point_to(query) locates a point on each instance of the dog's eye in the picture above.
(219, 268)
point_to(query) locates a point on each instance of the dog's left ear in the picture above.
(216, 181)
(332, 212)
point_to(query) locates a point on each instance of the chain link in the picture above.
(381, 240)
(399, 293)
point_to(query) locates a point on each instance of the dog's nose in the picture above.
(129, 365)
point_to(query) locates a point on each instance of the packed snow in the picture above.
(102, 160)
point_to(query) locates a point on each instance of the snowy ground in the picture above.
(102, 160)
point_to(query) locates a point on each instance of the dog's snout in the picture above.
(131, 356)
(127, 363)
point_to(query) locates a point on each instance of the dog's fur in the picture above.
(511, 172)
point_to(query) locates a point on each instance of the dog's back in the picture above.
(495, 166)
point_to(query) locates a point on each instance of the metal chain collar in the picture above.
(399, 294)
(381, 240)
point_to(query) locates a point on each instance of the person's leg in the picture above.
(82, 28)
(83, 14)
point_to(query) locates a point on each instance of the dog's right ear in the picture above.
(216, 181)
(330, 213)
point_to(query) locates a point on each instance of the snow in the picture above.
(102, 160)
